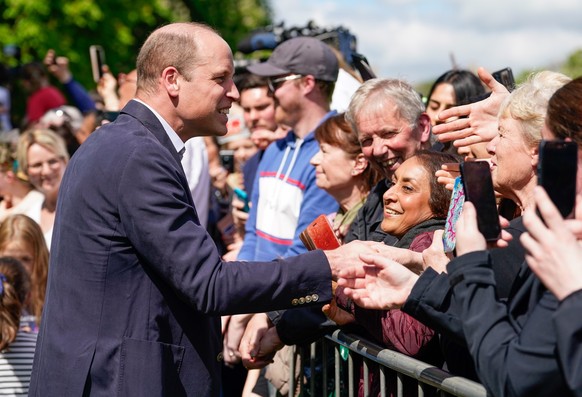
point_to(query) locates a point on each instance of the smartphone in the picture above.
(478, 187)
(505, 77)
(227, 159)
(242, 196)
(455, 208)
(557, 167)
(97, 61)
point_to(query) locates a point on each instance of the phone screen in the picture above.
(97, 61)
(557, 166)
(478, 187)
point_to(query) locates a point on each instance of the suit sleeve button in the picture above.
(315, 297)
(301, 300)
(295, 302)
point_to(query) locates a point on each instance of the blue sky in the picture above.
(414, 39)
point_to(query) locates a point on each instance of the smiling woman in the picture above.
(414, 207)
(342, 170)
(43, 156)
(416, 200)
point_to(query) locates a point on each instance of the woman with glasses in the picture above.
(42, 155)
(18, 195)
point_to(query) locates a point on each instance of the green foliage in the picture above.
(119, 26)
(573, 65)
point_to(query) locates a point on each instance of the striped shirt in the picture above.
(16, 365)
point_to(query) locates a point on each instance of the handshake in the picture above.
(260, 341)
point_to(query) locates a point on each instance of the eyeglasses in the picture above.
(274, 84)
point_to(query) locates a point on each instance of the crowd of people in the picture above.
(150, 226)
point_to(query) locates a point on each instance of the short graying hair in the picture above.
(373, 95)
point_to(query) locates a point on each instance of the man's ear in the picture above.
(308, 83)
(360, 164)
(170, 80)
(424, 127)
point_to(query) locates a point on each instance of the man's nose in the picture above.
(378, 147)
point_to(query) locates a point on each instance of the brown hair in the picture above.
(21, 227)
(336, 131)
(171, 45)
(440, 197)
(564, 117)
(14, 286)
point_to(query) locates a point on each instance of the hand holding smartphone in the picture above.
(478, 187)
(557, 168)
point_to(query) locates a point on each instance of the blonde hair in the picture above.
(43, 137)
(22, 228)
(529, 102)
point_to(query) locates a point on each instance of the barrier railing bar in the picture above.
(292, 353)
(382, 381)
(406, 365)
(366, 377)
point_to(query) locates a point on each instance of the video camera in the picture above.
(269, 37)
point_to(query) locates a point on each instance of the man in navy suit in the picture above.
(136, 285)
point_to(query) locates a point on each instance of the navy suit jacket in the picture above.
(136, 285)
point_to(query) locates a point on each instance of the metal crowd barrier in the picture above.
(425, 375)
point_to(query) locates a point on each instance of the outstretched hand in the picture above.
(382, 284)
(476, 122)
(348, 255)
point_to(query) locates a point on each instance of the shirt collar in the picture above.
(176, 141)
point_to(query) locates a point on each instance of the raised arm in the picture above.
(476, 122)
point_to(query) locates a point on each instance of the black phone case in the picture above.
(478, 186)
(557, 167)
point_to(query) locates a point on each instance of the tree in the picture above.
(119, 26)
(573, 65)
